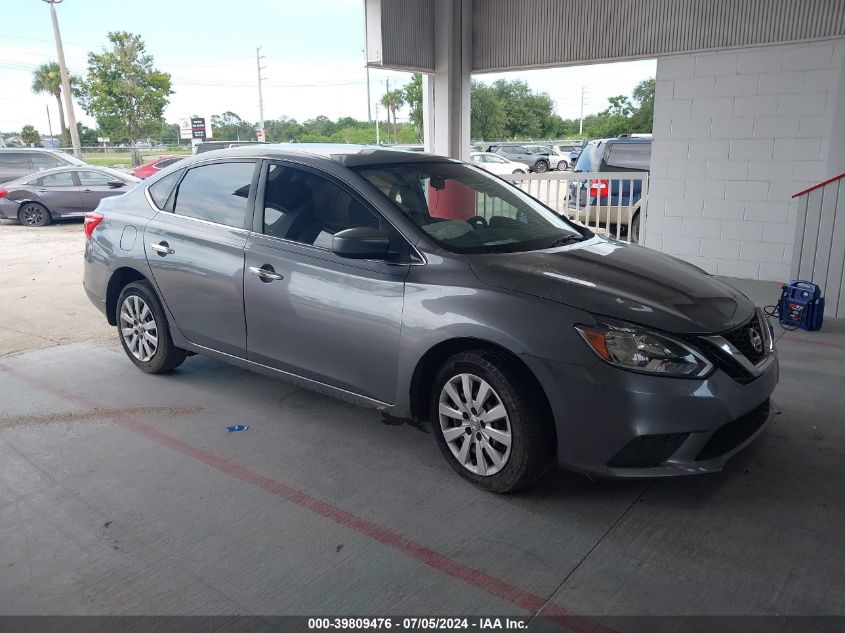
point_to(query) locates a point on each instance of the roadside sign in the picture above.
(198, 127)
(259, 134)
(185, 128)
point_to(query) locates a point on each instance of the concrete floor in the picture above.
(122, 493)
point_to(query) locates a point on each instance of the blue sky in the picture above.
(313, 56)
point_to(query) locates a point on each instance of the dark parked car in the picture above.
(428, 288)
(18, 162)
(533, 160)
(57, 194)
(210, 146)
(612, 155)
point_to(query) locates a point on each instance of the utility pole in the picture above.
(387, 92)
(378, 137)
(258, 58)
(581, 124)
(369, 99)
(49, 123)
(71, 117)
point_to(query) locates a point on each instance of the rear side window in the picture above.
(14, 159)
(216, 193)
(62, 179)
(45, 161)
(161, 189)
(629, 156)
(590, 158)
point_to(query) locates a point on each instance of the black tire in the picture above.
(634, 229)
(532, 430)
(34, 214)
(167, 356)
(518, 172)
(562, 165)
(541, 167)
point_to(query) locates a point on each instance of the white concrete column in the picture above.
(452, 70)
(428, 112)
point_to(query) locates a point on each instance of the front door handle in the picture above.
(162, 248)
(265, 273)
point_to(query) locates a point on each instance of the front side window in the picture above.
(304, 207)
(590, 158)
(216, 193)
(62, 179)
(466, 210)
(93, 178)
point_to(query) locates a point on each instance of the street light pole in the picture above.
(258, 58)
(71, 117)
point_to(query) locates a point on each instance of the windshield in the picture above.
(466, 210)
(590, 158)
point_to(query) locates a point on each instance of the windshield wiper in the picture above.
(563, 241)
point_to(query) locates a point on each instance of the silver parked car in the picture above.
(428, 288)
(57, 194)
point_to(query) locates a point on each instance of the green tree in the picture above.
(30, 136)
(230, 127)
(87, 136)
(392, 100)
(644, 98)
(47, 79)
(123, 91)
(488, 119)
(414, 99)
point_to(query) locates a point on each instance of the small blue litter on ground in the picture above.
(237, 427)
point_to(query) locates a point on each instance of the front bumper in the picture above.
(616, 423)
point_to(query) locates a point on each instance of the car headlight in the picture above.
(637, 349)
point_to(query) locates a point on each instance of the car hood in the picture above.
(622, 281)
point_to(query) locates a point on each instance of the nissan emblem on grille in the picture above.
(756, 339)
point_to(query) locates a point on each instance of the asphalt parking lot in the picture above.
(122, 493)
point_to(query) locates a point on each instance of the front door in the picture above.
(308, 311)
(196, 254)
(95, 186)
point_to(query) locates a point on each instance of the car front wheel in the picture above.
(488, 421)
(144, 332)
(541, 167)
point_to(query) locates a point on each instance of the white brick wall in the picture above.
(736, 133)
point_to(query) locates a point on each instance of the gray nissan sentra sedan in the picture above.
(430, 289)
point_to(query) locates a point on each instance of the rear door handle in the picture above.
(265, 273)
(162, 248)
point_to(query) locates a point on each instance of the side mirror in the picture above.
(114, 184)
(361, 243)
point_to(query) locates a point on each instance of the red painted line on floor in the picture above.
(516, 596)
(804, 341)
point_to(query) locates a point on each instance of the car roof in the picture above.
(346, 154)
(624, 139)
(31, 149)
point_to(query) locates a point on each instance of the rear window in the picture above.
(629, 156)
(590, 158)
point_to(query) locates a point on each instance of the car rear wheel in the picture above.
(517, 172)
(634, 230)
(34, 214)
(143, 330)
(488, 421)
(541, 167)
(562, 166)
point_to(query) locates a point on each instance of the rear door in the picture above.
(60, 193)
(308, 311)
(14, 165)
(196, 252)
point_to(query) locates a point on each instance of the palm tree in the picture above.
(47, 78)
(392, 101)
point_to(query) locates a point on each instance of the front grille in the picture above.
(741, 340)
(728, 436)
(647, 450)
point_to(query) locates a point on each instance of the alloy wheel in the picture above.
(475, 424)
(33, 215)
(138, 328)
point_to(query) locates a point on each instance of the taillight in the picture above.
(91, 221)
(3, 193)
(598, 188)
